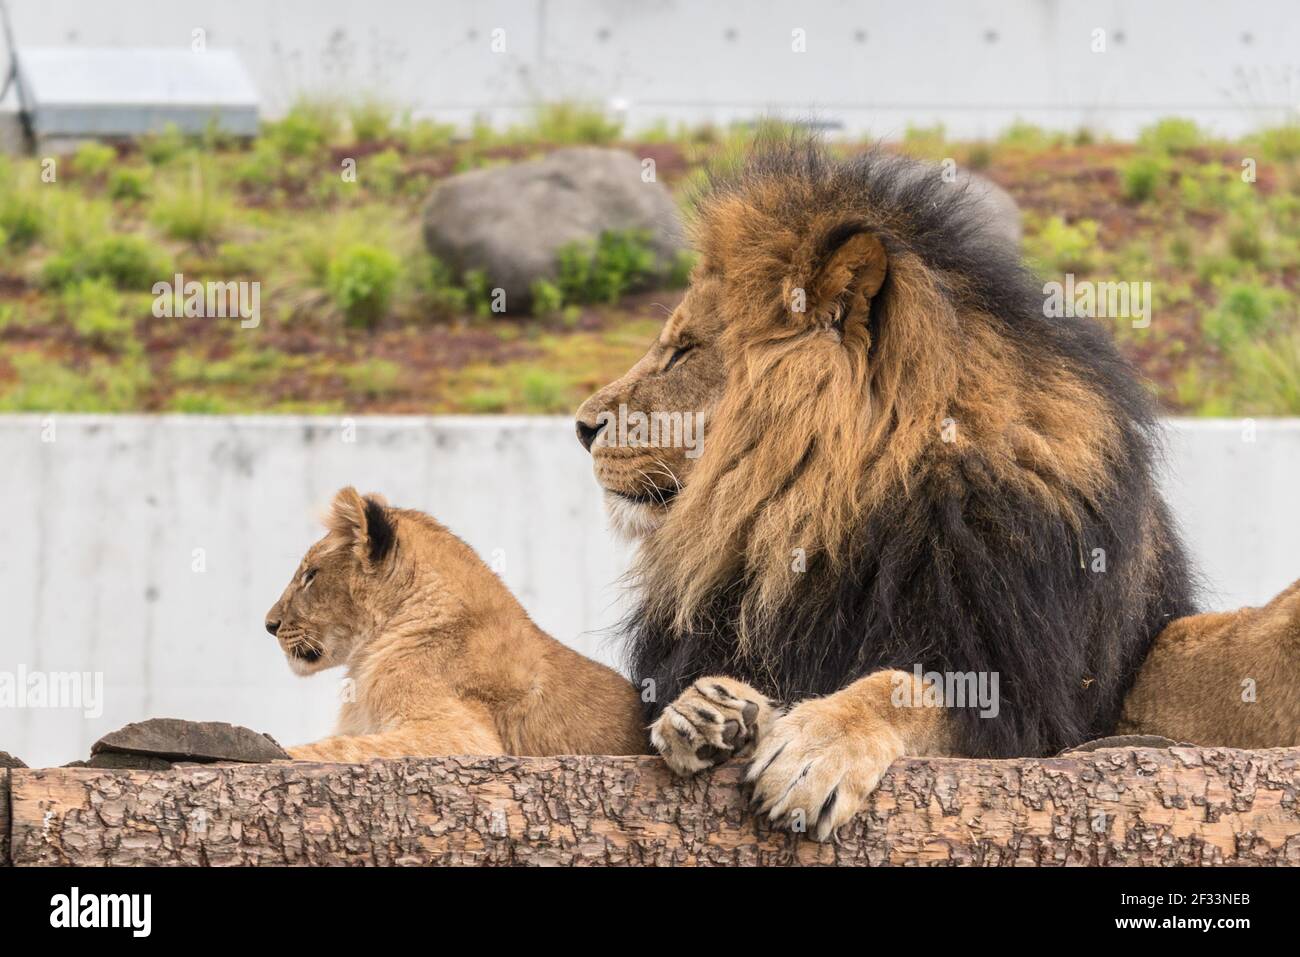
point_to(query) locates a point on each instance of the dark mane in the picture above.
(962, 567)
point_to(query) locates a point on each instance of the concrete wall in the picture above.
(873, 65)
(99, 570)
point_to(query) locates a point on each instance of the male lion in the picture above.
(444, 659)
(910, 479)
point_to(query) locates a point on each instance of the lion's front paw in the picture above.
(818, 765)
(715, 719)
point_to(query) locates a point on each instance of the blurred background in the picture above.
(422, 233)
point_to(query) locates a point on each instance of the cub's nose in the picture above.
(587, 433)
(272, 626)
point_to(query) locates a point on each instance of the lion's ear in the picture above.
(362, 523)
(844, 275)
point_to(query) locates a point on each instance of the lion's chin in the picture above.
(302, 667)
(633, 520)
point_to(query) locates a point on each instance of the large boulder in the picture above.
(511, 221)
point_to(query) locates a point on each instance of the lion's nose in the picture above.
(587, 433)
(272, 626)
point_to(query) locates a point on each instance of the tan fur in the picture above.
(803, 437)
(779, 388)
(821, 761)
(444, 660)
(1230, 679)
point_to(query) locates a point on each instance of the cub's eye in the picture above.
(677, 356)
(307, 577)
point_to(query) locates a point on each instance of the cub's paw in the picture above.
(713, 720)
(818, 765)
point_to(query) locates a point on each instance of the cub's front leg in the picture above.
(713, 720)
(818, 765)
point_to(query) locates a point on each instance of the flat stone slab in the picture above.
(171, 739)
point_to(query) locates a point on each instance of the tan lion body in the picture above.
(442, 657)
(1227, 679)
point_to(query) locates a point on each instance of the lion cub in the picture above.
(1223, 679)
(444, 658)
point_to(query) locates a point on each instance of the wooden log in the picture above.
(1112, 807)
(4, 817)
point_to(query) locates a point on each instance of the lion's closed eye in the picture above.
(677, 356)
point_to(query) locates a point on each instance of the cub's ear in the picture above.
(840, 274)
(363, 523)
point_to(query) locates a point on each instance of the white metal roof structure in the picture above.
(98, 92)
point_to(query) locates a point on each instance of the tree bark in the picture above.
(1113, 807)
(4, 818)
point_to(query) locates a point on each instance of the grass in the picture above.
(362, 278)
(357, 316)
(191, 207)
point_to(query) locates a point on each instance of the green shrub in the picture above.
(486, 400)
(307, 128)
(435, 281)
(130, 262)
(128, 183)
(192, 210)
(373, 378)
(361, 281)
(543, 392)
(1170, 135)
(1265, 376)
(262, 168)
(47, 385)
(381, 173)
(1141, 176)
(478, 292)
(1245, 241)
(245, 367)
(547, 298)
(1281, 143)
(1060, 247)
(571, 123)
(925, 142)
(1245, 311)
(126, 261)
(193, 402)
(619, 262)
(92, 159)
(426, 136)
(161, 148)
(1026, 136)
(21, 219)
(95, 310)
(238, 259)
(371, 121)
